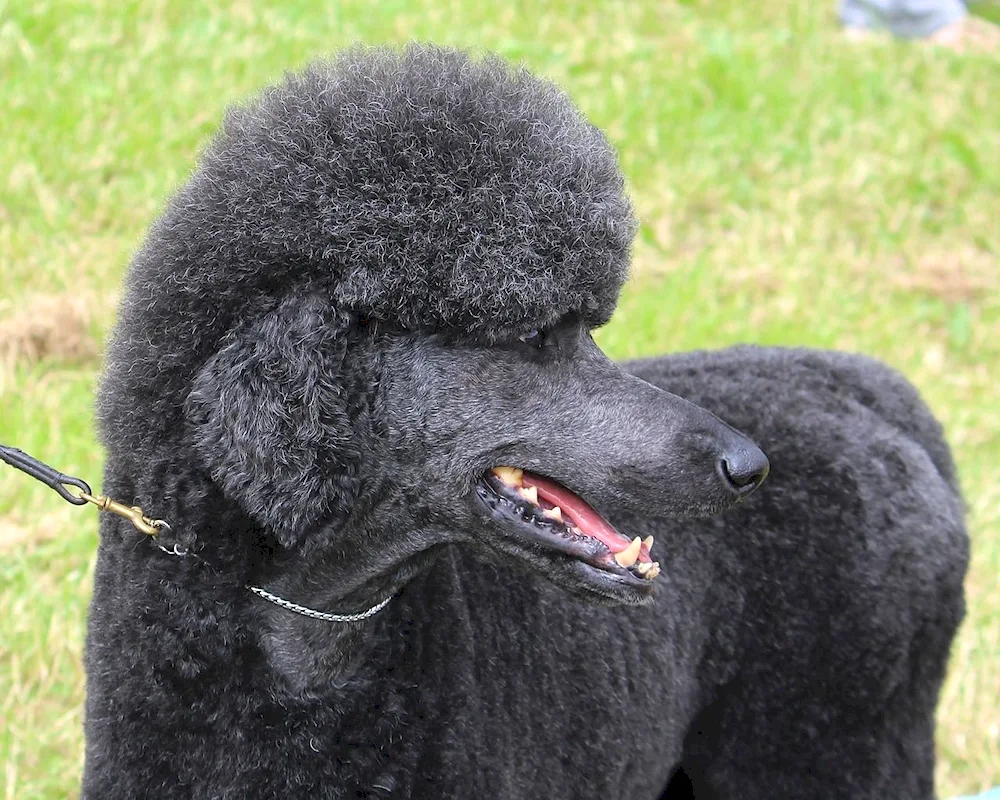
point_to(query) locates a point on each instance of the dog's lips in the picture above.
(561, 520)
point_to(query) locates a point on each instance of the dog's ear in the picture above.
(270, 417)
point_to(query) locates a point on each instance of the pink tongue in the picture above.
(580, 514)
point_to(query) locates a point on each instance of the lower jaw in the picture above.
(603, 587)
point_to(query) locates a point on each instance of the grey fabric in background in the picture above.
(907, 19)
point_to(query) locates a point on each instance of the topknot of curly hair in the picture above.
(419, 187)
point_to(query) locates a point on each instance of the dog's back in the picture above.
(838, 587)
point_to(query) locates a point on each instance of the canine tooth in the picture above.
(648, 541)
(530, 494)
(553, 513)
(510, 475)
(628, 556)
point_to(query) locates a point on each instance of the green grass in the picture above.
(987, 9)
(794, 189)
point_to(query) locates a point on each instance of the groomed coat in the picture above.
(378, 288)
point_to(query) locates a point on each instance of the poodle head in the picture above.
(378, 287)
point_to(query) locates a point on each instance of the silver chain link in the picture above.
(323, 615)
(281, 601)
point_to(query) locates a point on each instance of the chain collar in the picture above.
(305, 611)
(323, 615)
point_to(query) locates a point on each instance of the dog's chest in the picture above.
(555, 706)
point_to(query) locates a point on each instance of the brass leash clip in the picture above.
(133, 514)
(61, 483)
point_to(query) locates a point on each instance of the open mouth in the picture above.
(550, 516)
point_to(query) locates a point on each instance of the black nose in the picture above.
(744, 468)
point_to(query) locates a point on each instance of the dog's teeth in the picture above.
(628, 556)
(644, 567)
(654, 570)
(553, 513)
(648, 541)
(512, 476)
(530, 494)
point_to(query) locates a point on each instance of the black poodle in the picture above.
(354, 371)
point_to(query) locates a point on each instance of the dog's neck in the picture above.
(312, 652)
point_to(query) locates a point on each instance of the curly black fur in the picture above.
(420, 189)
(323, 348)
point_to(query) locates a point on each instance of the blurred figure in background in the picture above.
(942, 22)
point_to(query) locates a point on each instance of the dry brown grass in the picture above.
(18, 532)
(965, 275)
(49, 327)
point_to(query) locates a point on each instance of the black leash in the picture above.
(50, 476)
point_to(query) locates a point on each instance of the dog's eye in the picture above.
(534, 339)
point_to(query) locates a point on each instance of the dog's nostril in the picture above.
(744, 469)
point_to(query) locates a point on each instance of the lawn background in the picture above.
(794, 188)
